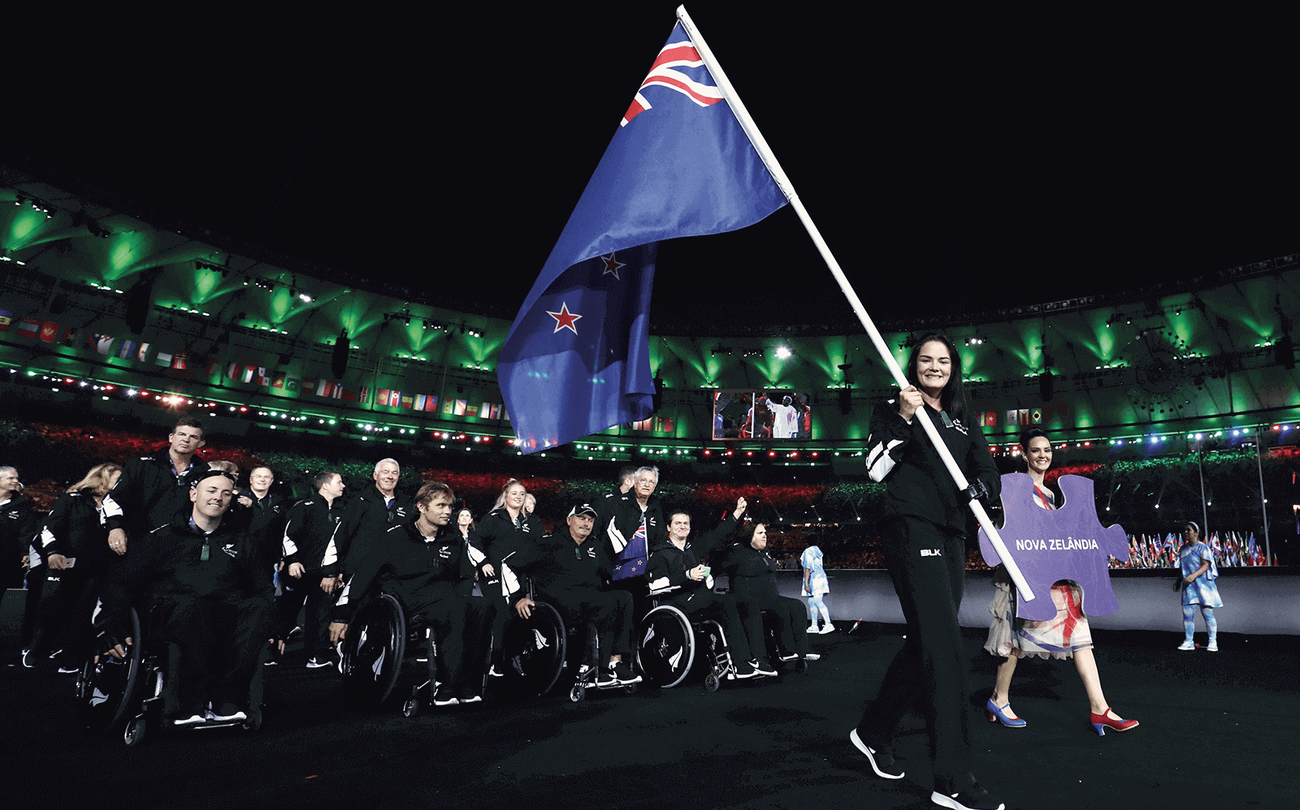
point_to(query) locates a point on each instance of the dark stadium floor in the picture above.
(1218, 730)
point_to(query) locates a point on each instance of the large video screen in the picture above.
(767, 414)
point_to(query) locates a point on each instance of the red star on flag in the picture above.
(564, 319)
(612, 265)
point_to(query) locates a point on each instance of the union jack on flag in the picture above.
(673, 69)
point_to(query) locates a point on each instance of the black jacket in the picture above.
(917, 483)
(411, 567)
(74, 528)
(364, 515)
(149, 493)
(497, 535)
(18, 525)
(619, 519)
(752, 572)
(668, 563)
(168, 561)
(557, 564)
(308, 530)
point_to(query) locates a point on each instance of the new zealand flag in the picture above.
(577, 358)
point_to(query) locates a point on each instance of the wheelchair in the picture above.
(534, 651)
(111, 690)
(540, 650)
(668, 643)
(379, 642)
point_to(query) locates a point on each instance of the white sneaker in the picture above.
(1212, 647)
(1187, 645)
(812, 629)
(830, 628)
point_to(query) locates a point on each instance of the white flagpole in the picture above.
(783, 182)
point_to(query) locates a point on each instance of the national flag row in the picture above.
(261, 376)
(1231, 549)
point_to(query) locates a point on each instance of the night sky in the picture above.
(952, 162)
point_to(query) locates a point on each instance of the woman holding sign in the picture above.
(1065, 636)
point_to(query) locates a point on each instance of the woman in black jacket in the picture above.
(923, 538)
(73, 545)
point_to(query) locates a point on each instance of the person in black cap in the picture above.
(569, 571)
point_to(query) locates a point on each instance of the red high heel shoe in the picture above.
(1103, 721)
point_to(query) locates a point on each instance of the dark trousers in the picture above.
(609, 611)
(462, 631)
(32, 599)
(927, 566)
(219, 640)
(721, 607)
(297, 593)
(63, 615)
(785, 614)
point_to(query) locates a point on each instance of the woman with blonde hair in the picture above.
(73, 544)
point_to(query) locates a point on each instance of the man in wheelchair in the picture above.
(681, 580)
(752, 572)
(426, 567)
(570, 572)
(199, 587)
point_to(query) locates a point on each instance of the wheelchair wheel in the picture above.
(577, 693)
(134, 732)
(373, 652)
(534, 650)
(711, 682)
(109, 689)
(666, 647)
(411, 707)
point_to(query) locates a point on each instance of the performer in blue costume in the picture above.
(1197, 585)
(1066, 636)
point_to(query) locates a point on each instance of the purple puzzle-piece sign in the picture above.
(1054, 544)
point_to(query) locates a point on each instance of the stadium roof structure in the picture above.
(94, 294)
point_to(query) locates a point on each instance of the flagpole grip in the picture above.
(769, 160)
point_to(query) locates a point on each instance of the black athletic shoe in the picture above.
(881, 759)
(964, 793)
(761, 667)
(608, 676)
